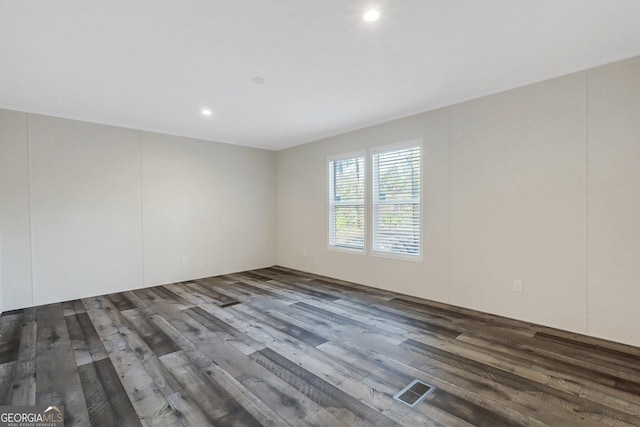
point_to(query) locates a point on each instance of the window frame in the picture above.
(331, 203)
(373, 202)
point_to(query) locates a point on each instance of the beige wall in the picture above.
(614, 201)
(541, 183)
(89, 209)
(518, 203)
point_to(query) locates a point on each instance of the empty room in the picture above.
(333, 213)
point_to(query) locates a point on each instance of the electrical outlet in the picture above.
(518, 286)
(185, 259)
(304, 252)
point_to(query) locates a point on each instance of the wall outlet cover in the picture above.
(518, 286)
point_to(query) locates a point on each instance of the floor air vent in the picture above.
(229, 304)
(414, 393)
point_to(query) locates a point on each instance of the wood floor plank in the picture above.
(592, 353)
(106, 399)
(10, 332)
(238, 339)
(463, 385)
(211, 399)
(159, 343)
(188, 412)
(470, 412)
(253, 287)
(252, 290)
(213, 372)
(345, 334)
(565, 400)
(7, 371)
(344, 321)
(121, 302)
(260, 411)
(351, 379)
(24, 380)
(147, 399)
(297, 351)
(281, 347)
(73, 307)
(255, 378)
(385, 380)
(208, 293)
(558, 354)
(301, 333)
(145, 353)
(80, 350)
(86, 344)
(306, 289)
(392, 379)
(58, 382)
(416, 322)
(173, 298)
(188, 294)
(320, 391)
(349, 337)
(219, 298)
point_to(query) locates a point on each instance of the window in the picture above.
(396, 201)
(346, 203)
(394, 182)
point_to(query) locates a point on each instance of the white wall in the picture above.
(211, 203)
(85, 208)
(541, 183)
(89, 209)
(15, 254)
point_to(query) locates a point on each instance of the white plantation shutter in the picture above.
(346, 203)
(396, 201)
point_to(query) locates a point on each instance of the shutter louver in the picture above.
(346, 203)
(396, 201)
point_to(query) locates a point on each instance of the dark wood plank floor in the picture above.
(280, 347)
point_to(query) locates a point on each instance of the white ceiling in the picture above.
(154, 64)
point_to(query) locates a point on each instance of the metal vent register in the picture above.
(414, 393)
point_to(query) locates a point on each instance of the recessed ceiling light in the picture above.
(206, 112)
(371, 15)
